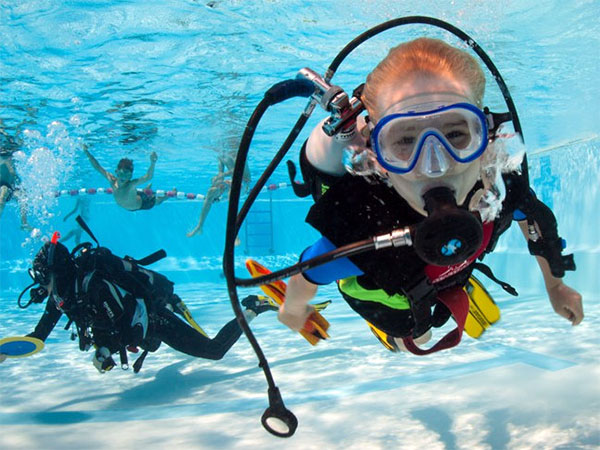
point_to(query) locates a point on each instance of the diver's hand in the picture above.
(102, 360)
(153, 157)
(566, 302)
(294, 316)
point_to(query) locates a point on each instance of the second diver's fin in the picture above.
(386, 340)
(187, 315)
(316, 325)
(321, 306)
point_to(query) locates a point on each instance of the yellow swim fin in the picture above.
(483, 310)
(386, 340)
(316, 326)
(187, 315)
(483, 313)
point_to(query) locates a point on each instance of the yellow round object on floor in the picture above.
(20, 346)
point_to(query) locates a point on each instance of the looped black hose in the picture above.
(287, 89)
(278, 93)
(22, 294)
(277, 419)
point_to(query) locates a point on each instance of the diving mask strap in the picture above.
(495, 120)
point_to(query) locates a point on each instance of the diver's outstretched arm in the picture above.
(45, 325)
(47, 322)
(565, 301)
(96, 165)
(150, 173)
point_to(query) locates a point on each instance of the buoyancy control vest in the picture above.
(106, 294)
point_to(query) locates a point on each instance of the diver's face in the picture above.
(123, 175)
(420, 90)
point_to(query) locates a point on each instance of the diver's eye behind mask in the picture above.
(123, 173)
(399, 138)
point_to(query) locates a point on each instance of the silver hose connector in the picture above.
(397, 238)
(332, 99)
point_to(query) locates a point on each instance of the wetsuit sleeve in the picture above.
(317, 181)
(331, 271)
(47, 322)
(519, 215)
(549, 245)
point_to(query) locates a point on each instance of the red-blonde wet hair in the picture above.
(424, 56)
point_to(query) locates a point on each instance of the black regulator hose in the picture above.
(22, 294)
(277, 419)
(347, 250)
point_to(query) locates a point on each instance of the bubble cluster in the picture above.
(44, 165)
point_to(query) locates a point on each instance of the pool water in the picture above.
(181, 79)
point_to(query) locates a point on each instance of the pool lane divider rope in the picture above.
(159, 193)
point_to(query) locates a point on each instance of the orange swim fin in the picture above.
(316, 325)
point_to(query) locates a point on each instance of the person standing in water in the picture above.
(219, 186)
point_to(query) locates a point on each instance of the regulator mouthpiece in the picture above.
(449, 235)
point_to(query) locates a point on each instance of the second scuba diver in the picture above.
(116, 305)
(428, 157)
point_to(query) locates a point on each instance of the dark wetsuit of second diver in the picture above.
(103, 303)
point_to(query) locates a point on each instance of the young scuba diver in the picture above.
(125, 189)
(429, 158)
(117, 305)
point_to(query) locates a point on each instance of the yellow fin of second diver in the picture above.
(187, 315)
